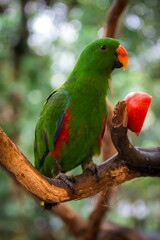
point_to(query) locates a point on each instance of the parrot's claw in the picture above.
(91, 167)
(68, 180)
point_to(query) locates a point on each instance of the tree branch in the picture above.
(114, 13)
(21, 47)
(79, 227)
(143, 159)
(75, 224)
(129, 163)
(96, 216)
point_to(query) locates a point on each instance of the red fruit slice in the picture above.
(137, 106)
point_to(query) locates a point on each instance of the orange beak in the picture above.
(122, 56)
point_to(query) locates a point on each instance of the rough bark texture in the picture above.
(129, 163)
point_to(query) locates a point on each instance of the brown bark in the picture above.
(75, 224)
(129, 163)
(114, 13)
(79, 227)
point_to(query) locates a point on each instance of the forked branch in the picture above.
(129, 163)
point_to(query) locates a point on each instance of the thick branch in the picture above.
(128, 164)
(16, 163)
(143, 159)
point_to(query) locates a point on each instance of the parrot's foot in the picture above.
(91, 167)
(68, 180)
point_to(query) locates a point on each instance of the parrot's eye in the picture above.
(103, 47)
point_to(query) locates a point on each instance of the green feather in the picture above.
(85, 89)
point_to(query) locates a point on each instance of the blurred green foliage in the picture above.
(39, 44)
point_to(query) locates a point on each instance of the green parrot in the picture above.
(72, 121)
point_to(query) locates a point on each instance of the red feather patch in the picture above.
(63, 135)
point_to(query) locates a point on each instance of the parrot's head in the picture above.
(103, 56)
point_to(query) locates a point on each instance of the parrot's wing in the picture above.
(48, 128)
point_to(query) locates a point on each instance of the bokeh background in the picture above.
(39, 44)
